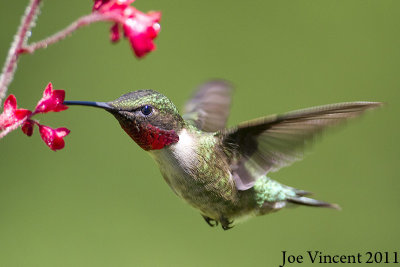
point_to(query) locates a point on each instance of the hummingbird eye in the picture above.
(146, 110)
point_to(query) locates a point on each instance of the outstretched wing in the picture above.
(209, 107)
(267, 144)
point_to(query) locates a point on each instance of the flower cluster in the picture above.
(12, 117)
(140, 28)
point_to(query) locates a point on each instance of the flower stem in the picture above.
(82, 21)
(20, 46)
(20, 39)
(12, 128)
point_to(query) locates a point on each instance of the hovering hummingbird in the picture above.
(222, 171)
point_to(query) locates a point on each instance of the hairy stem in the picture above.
(12, 128)
(83, 21)
(20, 39)
(20, 46)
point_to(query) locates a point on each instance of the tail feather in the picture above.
(299, 199)
(300, 192)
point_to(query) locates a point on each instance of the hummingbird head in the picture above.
(147, 116)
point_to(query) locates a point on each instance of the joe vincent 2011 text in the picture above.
(315, 256)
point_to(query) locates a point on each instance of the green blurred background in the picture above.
(102, 202)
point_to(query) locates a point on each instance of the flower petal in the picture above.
(53, 137)
(141, 30)
(52, 100)
(10, 103)
(11, 115)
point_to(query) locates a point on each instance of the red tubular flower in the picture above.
(11, 115)
(140, 28)
(12, 118)
(52, 100)
(54, 138)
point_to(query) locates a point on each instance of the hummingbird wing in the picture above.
(208, 109)
(267, 144)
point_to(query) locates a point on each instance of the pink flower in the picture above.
(140, 28)
(11, 115)
(52, 100)
(12, 118)
(54, 138)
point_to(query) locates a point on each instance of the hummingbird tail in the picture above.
(299, 199)
(272, 196)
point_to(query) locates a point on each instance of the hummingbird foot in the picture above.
(226, 224)
(210, 222)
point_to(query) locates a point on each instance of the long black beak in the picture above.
(102, 105)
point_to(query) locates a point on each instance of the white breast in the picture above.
(177, 161)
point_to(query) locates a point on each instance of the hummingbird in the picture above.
(222, 172)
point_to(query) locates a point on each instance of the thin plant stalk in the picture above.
(27, 22)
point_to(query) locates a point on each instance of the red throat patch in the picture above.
(150, 137)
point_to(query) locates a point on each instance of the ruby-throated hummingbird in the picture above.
(222, 171)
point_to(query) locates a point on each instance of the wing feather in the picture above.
(267, 144)
(208, 109)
